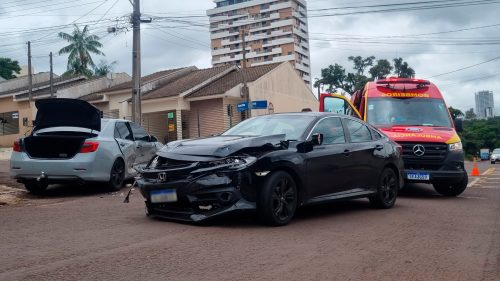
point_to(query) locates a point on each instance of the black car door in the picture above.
(327, 165)
(365, 165)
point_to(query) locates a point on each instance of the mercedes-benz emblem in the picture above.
(419, 150)
(162, 177)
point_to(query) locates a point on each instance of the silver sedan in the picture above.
(71, 143)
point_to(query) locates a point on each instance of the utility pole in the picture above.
(246, 93)
(30, 78)
(136, 64)
(51, 77)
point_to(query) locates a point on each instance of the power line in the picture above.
(463, 68)
(394, 5)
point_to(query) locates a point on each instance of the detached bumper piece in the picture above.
(197, 199)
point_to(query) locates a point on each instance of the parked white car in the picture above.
(495, 156)
(71, 143)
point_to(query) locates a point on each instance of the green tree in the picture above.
(82, 44)
(455, 113)
(360, 63)
(8, 67)
(103, 68)
(479, 134)
(76, 69)
(382, 69)
(337, 78)
(402, 69)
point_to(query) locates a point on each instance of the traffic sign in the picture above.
(259, 104)
(242, 106)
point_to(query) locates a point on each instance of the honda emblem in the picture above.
(162, 177)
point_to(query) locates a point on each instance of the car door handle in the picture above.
(379, 146)
(347, 152)
(122, 144)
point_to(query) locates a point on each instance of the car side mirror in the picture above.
(317, 139)
(152, 139)
(458, 125)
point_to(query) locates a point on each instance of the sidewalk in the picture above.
(5, 153)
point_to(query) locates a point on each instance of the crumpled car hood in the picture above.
(219, 146)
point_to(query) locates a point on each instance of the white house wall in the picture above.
(284, 88)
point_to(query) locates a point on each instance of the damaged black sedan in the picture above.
(272, 164)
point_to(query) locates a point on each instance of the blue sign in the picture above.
(242, 106)
(259, 104)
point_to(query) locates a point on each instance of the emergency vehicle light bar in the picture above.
(396, 80)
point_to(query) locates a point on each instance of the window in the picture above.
(332, 130)
(138, 132)
(358, 131)
(122, 131)
(376, 135)
(9, 123)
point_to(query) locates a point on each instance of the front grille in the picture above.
(432, 159)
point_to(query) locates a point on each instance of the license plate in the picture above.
(418, 176)
(163, 196)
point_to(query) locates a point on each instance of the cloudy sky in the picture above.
(456, 47)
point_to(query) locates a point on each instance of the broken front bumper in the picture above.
(201, 197)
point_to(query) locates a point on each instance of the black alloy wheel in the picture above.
(117, 175)
(451, 190)
(387, 190)
(36, 187)
(278, 199)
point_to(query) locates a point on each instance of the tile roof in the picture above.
(185, 82)
(38, 85)
(64, 82)
(144, 79)
(232, 79)
(91, 97)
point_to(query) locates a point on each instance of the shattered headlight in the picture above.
(455, 146)
(235, 162)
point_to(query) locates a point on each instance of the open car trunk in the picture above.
(56, 145)
(59, 112)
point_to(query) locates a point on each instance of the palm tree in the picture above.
(79, 49)
(103, 68)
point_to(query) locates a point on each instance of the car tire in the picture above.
(277, 199)
(36, 187)
(451, 190)
(117, 175)
(387, 190)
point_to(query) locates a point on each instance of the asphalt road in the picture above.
(81, 233)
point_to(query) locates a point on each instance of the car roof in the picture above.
(114, 119)
(310, 113)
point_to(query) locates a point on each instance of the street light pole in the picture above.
(136, 64)
(245, 89)
(51, 77)
(30, 74)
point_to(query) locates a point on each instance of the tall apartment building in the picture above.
(485, 105)
(276, 31)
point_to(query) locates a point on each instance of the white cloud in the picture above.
(189, 45)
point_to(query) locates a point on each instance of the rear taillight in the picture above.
(17, 146)
(89, 146)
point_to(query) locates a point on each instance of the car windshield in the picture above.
(293, 126)
(408, 111)
(496, 151)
